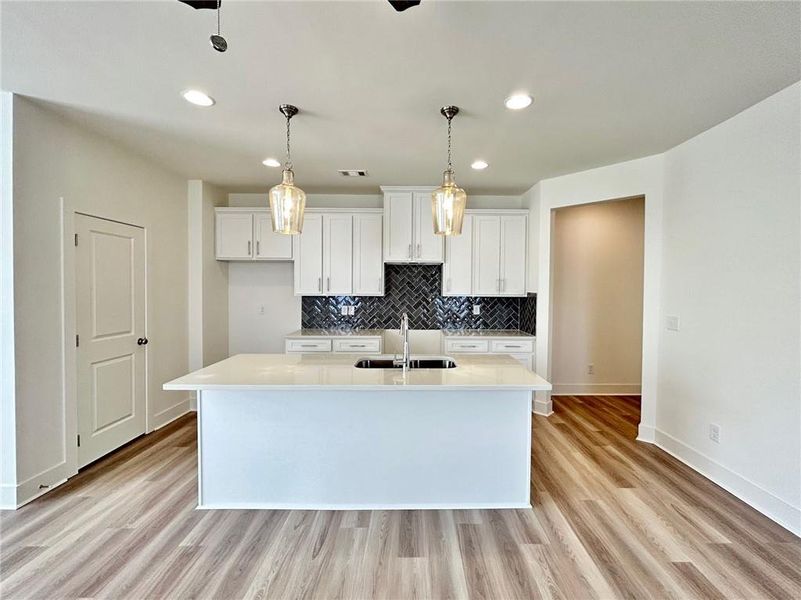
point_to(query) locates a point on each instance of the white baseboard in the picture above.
(768, 504)
(543, 407)
(167, 416)
(422, 506)
(14, 496)
(597, 389)
(646, 433)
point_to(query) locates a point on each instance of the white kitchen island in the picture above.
(280, 431)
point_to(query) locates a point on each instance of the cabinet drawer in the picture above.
(364, 346)
(308, 345)
(512, 346)
(466, 345)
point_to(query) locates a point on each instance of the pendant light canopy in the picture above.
(448, 201)
(287, 202)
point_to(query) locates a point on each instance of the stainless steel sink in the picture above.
(421, 362)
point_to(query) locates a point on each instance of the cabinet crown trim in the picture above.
(407, 188)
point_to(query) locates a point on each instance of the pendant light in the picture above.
(287, 202)
(448, 201)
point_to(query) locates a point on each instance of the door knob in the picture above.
(142, 341)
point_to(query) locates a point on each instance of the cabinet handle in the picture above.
(410, 251)
(358, 345)
(248, 247)
(380, 283)
(419, 252)
(503, 285)
(258, 250)
(328, 284)
(319, 284)
(449, 284)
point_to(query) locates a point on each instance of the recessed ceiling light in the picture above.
(197, 98)
(270, 162)
(518, 101)
(479, 165)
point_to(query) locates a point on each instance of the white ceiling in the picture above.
(611, 82)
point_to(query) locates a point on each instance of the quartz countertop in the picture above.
(335, 332)
(506, 333)
(324, 371)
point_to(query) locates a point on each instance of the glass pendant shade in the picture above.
(287, 204)
(447, 205)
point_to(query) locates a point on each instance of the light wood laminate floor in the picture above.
(611, 518)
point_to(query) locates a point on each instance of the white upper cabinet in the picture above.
(428, 246)
(234, 235)
(338, 254)
(513, 255)
(490, 257)
(398, 229)
(270, 245)
(368, 266)
(457, 270)
(308, 250)
(487, 255)
(247, 234)
(408, 227)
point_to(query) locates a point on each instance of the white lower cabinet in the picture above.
(521, 348)
(346, 344)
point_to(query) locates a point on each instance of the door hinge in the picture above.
(77, 340)
(79, 440)
(76, 239)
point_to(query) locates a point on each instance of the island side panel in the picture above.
(365, 449)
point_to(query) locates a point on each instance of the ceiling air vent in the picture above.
(352, 172)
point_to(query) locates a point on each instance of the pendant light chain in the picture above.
(450, 165)
(218, 16)
(288, 164)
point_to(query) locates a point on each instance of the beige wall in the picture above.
(53, 159)
(597, 297)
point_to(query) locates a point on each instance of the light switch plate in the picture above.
(476, 309)
(351, 310)
(343, 310)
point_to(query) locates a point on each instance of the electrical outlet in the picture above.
(476, 309)
(343, 310)
(351, 310)
(590, 369)
(714, 433)
(672, 323)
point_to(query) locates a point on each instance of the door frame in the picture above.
(69, 368)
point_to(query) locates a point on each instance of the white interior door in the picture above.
(111, 338)
(486, 255)
(427, 244)
(513, 255)
(308, 252)
(338, 254)
(457, 271)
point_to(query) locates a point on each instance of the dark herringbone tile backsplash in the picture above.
(415, 289)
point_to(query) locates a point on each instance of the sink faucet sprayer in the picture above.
(404, 331)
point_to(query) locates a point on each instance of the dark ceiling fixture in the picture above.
(217, 41)
(401, 5)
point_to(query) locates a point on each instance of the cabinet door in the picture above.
(427, 244)
(270, 245)
(486, 255)
(457, 271)
(338, 254)
(513, 255)
(368, 266)
(308, 250)
(234, 235)
(398, 227)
